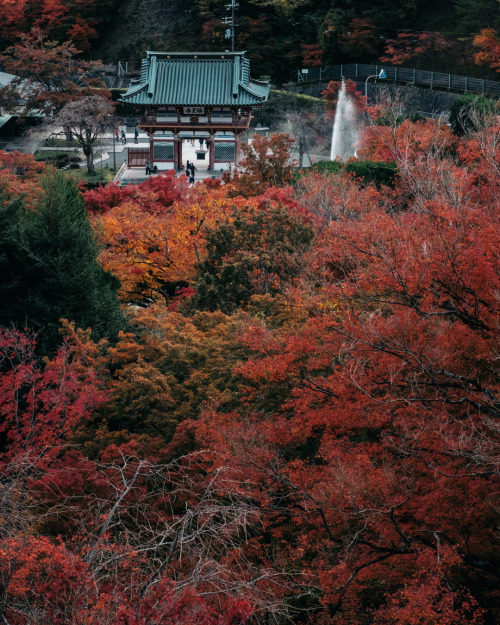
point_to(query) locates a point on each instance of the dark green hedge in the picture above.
(378, 172)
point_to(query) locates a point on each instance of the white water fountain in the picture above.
(346, 128)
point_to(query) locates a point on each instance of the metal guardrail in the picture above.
(359, 71)
(125, 68)
(116, 179)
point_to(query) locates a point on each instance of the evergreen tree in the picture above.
(9, 278)
(259, 252)
(49, 267)
(473, 15)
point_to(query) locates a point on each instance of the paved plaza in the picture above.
(129, 175)
(115, 155)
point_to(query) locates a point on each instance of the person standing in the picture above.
(201, 143)
(148, 168)
(136, 136)
(124, 138)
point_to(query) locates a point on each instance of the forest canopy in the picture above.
(280, 36)
(293, 416)
(267, 398)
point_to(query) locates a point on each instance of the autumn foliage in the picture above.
(47, 74)
(60, 20)
(300, 420)
(407, 47)
(488, 43)
(331, 94)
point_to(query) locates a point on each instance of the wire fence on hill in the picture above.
(433, 80)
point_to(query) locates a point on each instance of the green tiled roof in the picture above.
(196, 78)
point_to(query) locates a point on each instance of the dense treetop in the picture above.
(268, 399)
(280, 35)
(299, 419)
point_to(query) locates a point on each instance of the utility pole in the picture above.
(113, 130)
(230, 21)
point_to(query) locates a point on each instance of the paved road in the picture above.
(28, 144)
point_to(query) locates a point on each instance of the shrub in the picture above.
(469, 112)
(327, 167)
(378, 172)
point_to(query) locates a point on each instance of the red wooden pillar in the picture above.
(211, 154)
(151, 148)
(237, 148)
(176, 153)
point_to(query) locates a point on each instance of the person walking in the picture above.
(193, 169)
(124, 138)
(148, 168)
(136, 136)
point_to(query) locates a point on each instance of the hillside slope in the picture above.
(147, 25)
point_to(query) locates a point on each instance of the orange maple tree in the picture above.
(407, 47)
(488, 43)
(331, 94)
(153, 235)
(61, 20)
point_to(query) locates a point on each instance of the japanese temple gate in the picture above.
(188, 96)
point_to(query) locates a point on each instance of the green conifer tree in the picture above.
(49, 257)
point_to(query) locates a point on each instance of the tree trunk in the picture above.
(89, 153)
(90, 163)
(301, 150)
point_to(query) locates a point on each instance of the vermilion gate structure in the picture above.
(195, 96)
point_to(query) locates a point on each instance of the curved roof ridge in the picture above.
(135, 89)
(256, 81)
(249, 90)
(153, 73)
(236, 77)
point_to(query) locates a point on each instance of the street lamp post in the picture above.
(99, 142)
(381, 74)
(114, 139)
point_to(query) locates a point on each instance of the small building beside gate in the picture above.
(205, 97)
